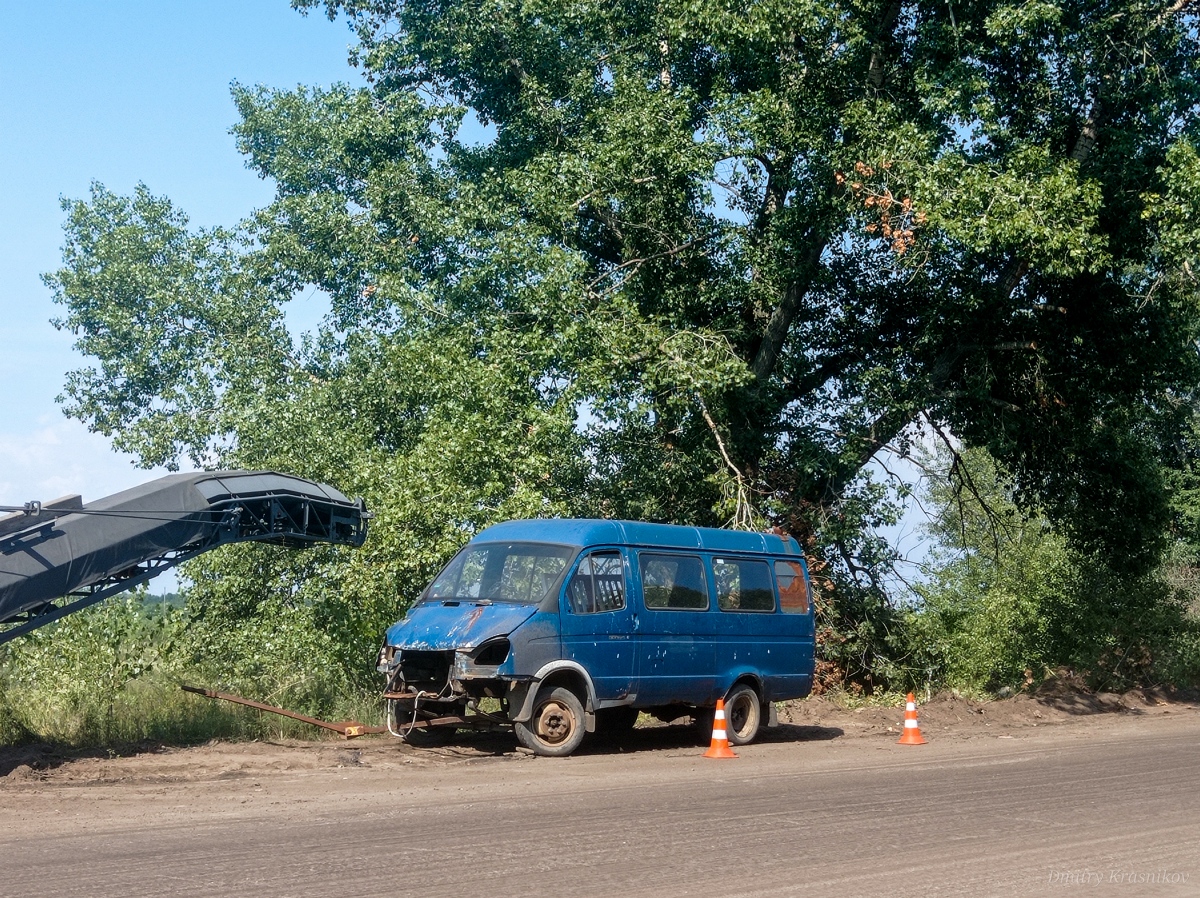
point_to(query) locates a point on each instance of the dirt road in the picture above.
(1099, 803)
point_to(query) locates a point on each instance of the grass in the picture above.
(851, 700)
(154, 710)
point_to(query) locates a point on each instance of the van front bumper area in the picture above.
(445, 673)
(445, 687)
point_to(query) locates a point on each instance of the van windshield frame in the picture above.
(515, 573)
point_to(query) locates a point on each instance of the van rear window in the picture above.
(673, 582)
(793, 588)
(743, 585)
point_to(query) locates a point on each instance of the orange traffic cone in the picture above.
(720, 744)
(912, 731)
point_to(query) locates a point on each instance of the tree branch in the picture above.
(1174, 9)
(636, 264)
(782, 317)
(882, 430)
(774, 194)
(743, 514)
(960, 475)
(820, 374)
(875, 68)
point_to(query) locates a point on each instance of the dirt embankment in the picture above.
(1061, 702)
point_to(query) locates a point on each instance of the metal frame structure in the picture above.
(60, 557)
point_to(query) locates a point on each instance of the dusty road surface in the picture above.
(1046, 801)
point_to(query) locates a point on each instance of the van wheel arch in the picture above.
(567, 678)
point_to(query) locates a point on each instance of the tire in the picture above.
(743, 714)
(556, 727)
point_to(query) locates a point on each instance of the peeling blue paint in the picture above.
(437, 626)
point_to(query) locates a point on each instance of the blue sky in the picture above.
(118, 91)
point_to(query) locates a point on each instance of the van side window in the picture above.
(673, 581)
(793, 589)
(598, 584)
(743, 585)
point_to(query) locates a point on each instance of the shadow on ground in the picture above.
(1068, 693)
(791, 732)
(39, 757)
(661, 737)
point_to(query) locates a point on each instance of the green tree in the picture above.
(1009, 599)
(696, 262)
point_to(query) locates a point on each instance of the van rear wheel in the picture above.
(743, 714)
(556, 727)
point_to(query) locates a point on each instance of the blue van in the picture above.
(574, 626)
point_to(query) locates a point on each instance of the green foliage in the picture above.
(1010, 599)
(752, 242)
(110, 675)
(701, 264)
(983, 620)
(151, 300)
(860, 630)
(85, 679)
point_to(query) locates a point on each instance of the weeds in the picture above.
(110, 675)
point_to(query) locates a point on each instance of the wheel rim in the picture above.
(741, 713)
(555, 723)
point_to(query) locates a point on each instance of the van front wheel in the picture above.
(743, 714)
(555, 728)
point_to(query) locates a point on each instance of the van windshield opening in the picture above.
(501, 572)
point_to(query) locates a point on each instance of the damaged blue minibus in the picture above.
(559, 628)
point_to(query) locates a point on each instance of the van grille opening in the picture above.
(426, 671)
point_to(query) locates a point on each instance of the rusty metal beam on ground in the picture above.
(425, 723)
(348, 728)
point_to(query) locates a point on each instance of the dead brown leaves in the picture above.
(894, 218)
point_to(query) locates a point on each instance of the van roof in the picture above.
(592, 532)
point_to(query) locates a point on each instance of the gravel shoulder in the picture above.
(1057, 706)
(1015, 797)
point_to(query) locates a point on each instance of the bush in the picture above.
(1008, 598)
(111, 675)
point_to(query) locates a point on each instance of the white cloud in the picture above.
(61, 457)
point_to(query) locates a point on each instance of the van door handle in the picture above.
(636, 623)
